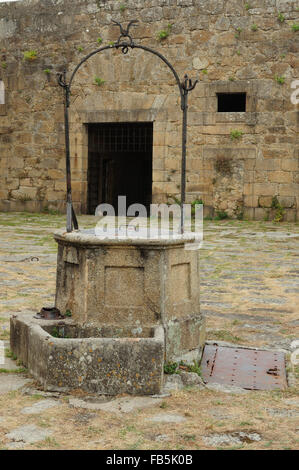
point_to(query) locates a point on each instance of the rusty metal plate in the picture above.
(246, 368)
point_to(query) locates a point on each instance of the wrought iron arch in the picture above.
(124, 43)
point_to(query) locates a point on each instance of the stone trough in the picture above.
(97, 360)
(134, 305)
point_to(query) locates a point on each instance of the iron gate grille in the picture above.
(119, 163)
(121, 137)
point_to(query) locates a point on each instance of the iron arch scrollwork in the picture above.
(125, 42)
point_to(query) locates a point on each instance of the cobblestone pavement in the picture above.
(249, 294)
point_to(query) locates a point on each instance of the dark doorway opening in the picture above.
(231, 102)
(119, 163)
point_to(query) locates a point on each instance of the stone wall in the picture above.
(231, 46)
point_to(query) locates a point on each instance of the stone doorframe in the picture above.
(119, 107)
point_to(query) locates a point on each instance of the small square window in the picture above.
(231, 102)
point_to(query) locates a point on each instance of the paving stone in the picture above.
(35, 391)
(291, 401)
(282, 413)
(236, 316)
(15, 445)
(172, 382)
(11, 382)
(83, 418)
(11, 282)
(292, 380)
(272, 310)
(120, 405)
(232, 439)
(267, 300)
(191, 379)
(167, 418)
(162, 438)
(40, 406)
(28, 434)
(219, 414)
(216, 304)
(226, 388)
(257, 327)
(9, 364)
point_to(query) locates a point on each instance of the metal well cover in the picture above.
(246, 368)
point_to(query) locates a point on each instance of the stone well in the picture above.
(134, 305)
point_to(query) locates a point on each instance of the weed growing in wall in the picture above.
(235, 134)
(221, 215)
(281, 17)
(280, 80)
(279, 211)
(99, 81)
(170, 367)
(164, 33)
(238, 33)
(30, 55)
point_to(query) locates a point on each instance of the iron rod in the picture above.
(69, 209)
(183, 163)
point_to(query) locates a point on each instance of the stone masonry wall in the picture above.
(230, 46)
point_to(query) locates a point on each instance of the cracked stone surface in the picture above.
(119, 405)
(232, 389)
(172, 382)
(11, 382)
(236, 438)
(167, 418)
(282, 413)
(39, 407)
(28, 434)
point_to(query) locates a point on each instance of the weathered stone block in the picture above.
(280, 176)
(100, 360)
(290, 164)
(137, 284)
(250, 201)
(265, 201)
(267, 189)
(286, 201)
(24, 192)
(270, 164)
(260, 213)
